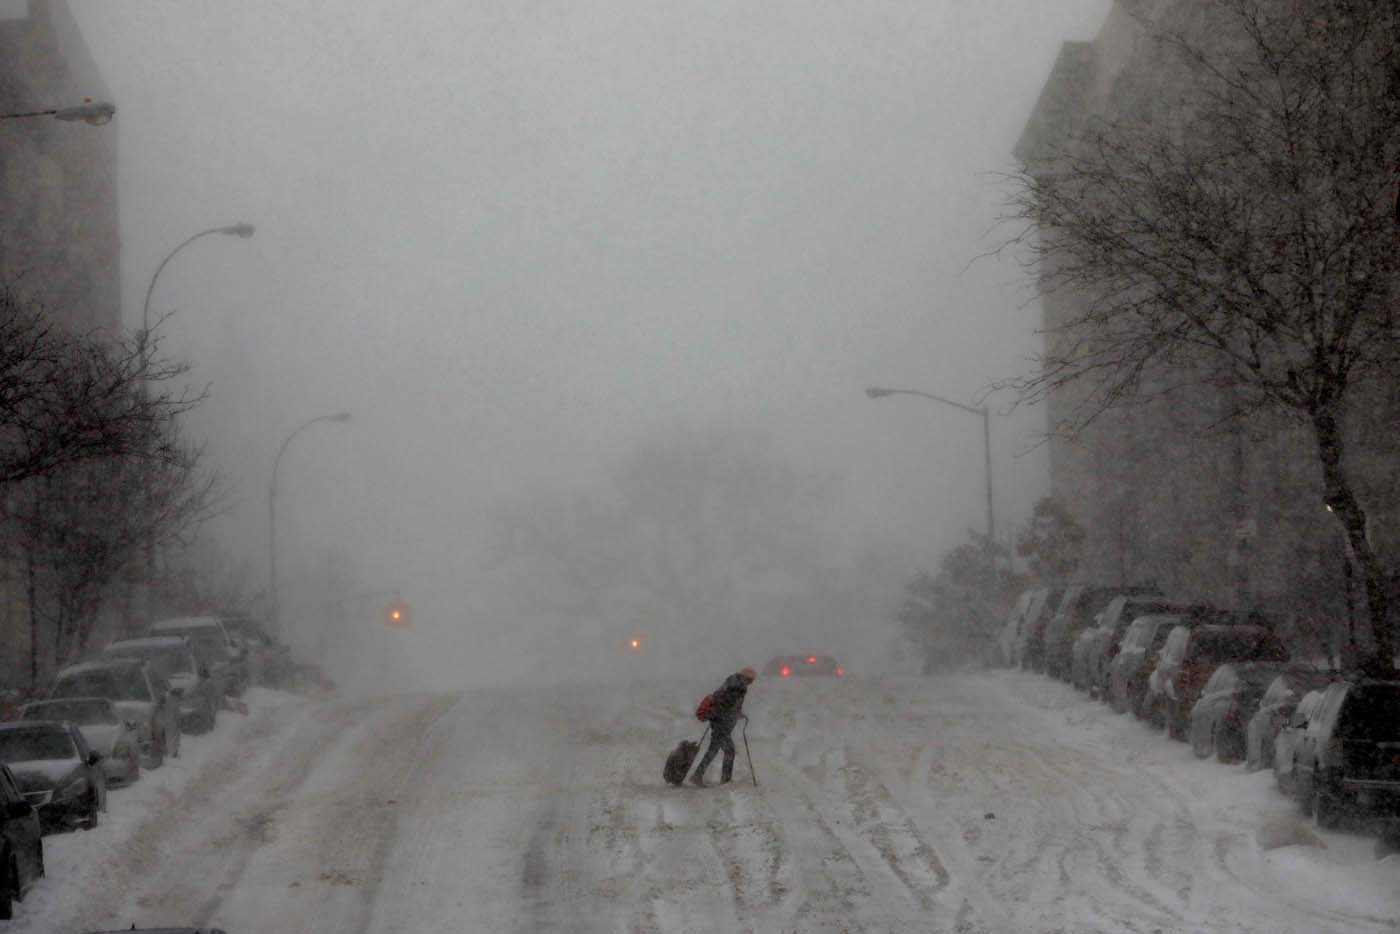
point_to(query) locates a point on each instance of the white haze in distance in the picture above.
(517, 239)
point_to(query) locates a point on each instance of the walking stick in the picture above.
(748, 755)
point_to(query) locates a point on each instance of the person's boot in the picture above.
(697, 780)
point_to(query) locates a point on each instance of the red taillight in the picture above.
(786, 671)
(811, 659)
(840, 672)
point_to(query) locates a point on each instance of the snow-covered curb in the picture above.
(75, 862)
(1342, 873)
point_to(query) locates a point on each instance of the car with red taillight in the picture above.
(802, 666)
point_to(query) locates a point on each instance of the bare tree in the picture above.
(1239, 235)
(74, 398)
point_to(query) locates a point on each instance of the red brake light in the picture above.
(811, 659)
(840, 672)
(786, 671)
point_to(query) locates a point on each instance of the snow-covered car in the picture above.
(1275, 709)
(1345, 754)
(1095, 648)
(799, 666)
(1077, 612)
(139, 694)
(1190, 657)
(21, 844)
(1028, 650)
(1228, 700)
(267, 658)
(96, 718)
(1011, 631)
(1131, 668)
(225, 656)
(197, 693)
(56, 772)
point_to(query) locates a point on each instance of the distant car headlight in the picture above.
(74, 789)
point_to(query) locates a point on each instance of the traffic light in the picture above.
(396, 613)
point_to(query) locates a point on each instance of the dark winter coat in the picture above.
(729, 703)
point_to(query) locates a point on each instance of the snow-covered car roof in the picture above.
(187, 622)
(100, 664)
(151, 642)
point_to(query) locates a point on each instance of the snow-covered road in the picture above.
(997, 803)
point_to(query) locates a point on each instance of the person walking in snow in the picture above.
(728, 708)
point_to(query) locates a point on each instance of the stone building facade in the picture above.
(60, 245)
(1172, 491)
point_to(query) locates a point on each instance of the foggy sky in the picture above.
(512, 238)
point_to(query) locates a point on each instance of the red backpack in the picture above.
(706, 710)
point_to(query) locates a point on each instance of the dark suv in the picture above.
(1347, 753)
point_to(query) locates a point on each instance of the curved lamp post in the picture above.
(94, 113)
(240, 230)
(272, 511)
(876, 392)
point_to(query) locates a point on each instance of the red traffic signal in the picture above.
(397, 614)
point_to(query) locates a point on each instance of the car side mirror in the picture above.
(94, 758)
(19, 809)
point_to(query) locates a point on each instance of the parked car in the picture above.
(1228, 700)
(1345, 754)
(197, 692)
(96, 718)
(1276, 708)
(1191, 655)
(268, 659)
(1131, 669)
(139, 694)
(1096, 647)
(1076, 612)
(1011, 631)
(226, 657)
(1030, 648)
(21, 844)
(56, 772)
(787, 666)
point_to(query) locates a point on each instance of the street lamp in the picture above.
(94, 113)
(241, 230)
(272, 510)
(876, 392)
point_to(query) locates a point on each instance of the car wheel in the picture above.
(8, 890)
(1229, 747)
(1325, 811)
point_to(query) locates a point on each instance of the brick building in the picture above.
(59, 239)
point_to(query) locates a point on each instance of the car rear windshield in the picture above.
(35, 745)
(117, 685)
(1372, 712)
(166, 662)
(81, 712)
